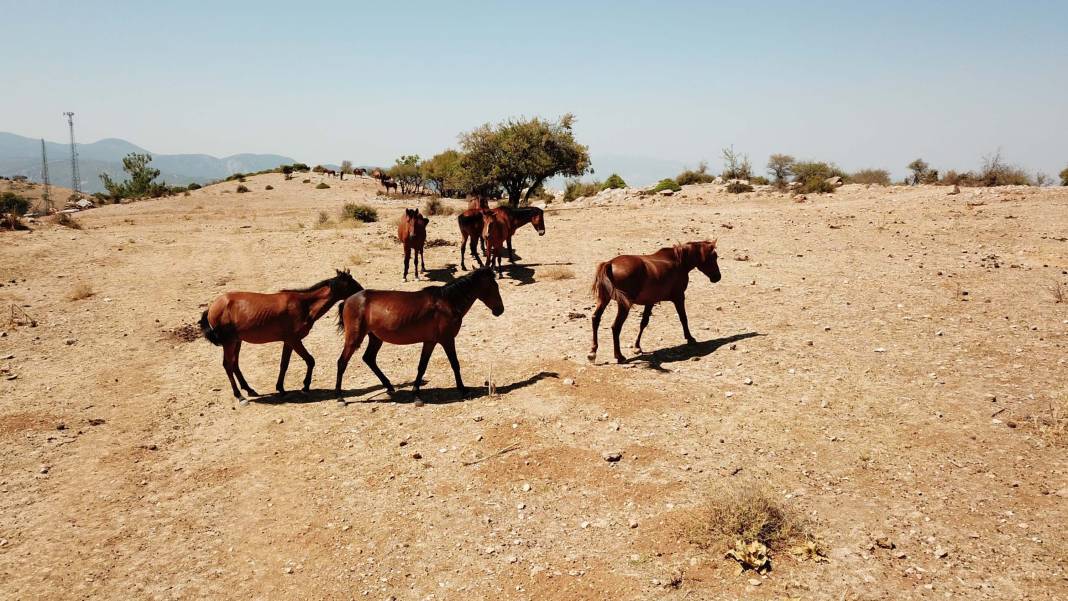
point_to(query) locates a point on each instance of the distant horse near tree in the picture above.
(647, 280)
(431, 316)
(411, 231)
(285, 316)
(513, 219)
(471, 222)
(389, 184)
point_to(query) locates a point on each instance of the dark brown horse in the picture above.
(412, 233)
(285, 316)
(476, 201)
(389, 184)
(513, 219)
(647, 280)
(431, 316)
(471, 223)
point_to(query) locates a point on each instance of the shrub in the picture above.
(322, 186)
(12, 207)
(81, 290)
(306, 181)
(359, 212)
(813, 176)
(269, 187)
(301, 167)
(1064, 177)
(922, 172)
(324, 218)
(556, 272)
(737, 187)
(141, 182)
(66, 220)
(698, 176)
(434, 206)
(193, 186)
(242, 189)
(736, 166)
(759, 180)
(747, 513)
(614, 182)
(287, 172)
(780, 167)
(667, 184)
(576, 189)
(880, 177)
(996, 172)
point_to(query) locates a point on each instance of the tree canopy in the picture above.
(520, 154)
(444, 173)
(140, 182)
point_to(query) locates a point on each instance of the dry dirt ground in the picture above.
(909, 380)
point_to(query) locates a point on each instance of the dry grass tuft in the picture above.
(1058, 292)
(356, 259)
(434, 206)
(435, 242)
(556, 272)
(746, 513)
(66, 220)
(81, 290)
(185, 333)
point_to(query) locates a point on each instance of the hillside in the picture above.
(22, 156)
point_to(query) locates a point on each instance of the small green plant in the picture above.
(322, 186)
(879, 177)
(695, 176)
(242, 189)
(613, 182)
(359, 212)
(667, 184)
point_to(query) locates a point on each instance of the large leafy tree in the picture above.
(140, 182)
(13, 206)
(520, 154)
(444, 173)
(407, 174)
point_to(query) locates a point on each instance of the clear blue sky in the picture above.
(858, 83)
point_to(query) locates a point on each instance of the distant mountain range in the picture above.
(22, 156)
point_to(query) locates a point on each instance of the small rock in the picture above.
(633, 523)
(287, 570)
(96, 421)
(940, 552)
(754, 582)
(520, 506)
(880, 350)
(569, 382)
(748, 381)
(70, 341)
(417, 456)
(612, 456)
(279, 421)
(824, 404)
(526, 487)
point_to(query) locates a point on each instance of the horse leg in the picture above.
(407, 258)
(422, 255)
(228, 365)
(680, 306)
(237, 370)
(511, 253)
(641, 328)
(474, 249)
(450, 351)
(283, 367)
(370, 358)
(463, 243)
(415, 258)
(353, 340)
(298, 346)
(601, 304)
(617, 327)
(424, 359)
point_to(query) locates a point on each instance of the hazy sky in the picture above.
(858, 83)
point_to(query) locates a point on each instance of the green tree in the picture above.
(695, 176)
(346, 167)
(780, 167)
(407, 173)
(614, 181)
(520, 154)
(922, 172)
(12, 207)
(287, 171)
(1064, 177)
(735, 165)
(444, 173)
(140, 179)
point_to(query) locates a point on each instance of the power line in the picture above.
(76, 178)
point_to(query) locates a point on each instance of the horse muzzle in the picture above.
(714, 278)
(541, 232)
(497, 312)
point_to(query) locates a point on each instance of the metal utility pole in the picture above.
(76, 178)
(46, 198)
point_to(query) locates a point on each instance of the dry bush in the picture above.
(1053, 426)
(434, 242)
(738, 187)
(359, 212)
(556, 272)
(356, 259)
(434, 206)
(747, 513)
(81, 290)
(1058, 292)
(880, 177)
(185, 333)
(242, 189)
(66, 220)
(324, 219)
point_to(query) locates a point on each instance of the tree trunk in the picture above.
(534, 186)
(514, 195)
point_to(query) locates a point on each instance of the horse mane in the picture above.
(461, 287)
(331, 282)
(681, 250)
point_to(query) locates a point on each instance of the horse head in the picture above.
(537, 219)
(343, 285)
(488, 292)
(708, 260)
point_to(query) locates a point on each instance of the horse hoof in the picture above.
(621, 359)
(591, 357)
(242, 401)
(419, 402)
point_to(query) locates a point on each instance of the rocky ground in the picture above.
(888, 363)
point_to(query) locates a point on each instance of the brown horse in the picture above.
(412, 233)
(389, 185)
(432, 316)
(494, 235)
(513, 219)
(285, 316)
(477, 202)
(471, 223)
(647, 280)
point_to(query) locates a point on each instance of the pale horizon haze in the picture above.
(859, 84)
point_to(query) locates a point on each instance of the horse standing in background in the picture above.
(285, 316)
(431, 316)
(494, 235)
(471, 223)
(412, 233)
(647, 280)
(517, 218)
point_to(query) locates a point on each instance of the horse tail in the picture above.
(341, 316)
(603, 287)
(217, 335)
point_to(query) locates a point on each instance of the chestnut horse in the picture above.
(471, 223)
(389, 185)
(647, 280)
(432, 316)
(285, 316)
(513, 219)
(412, 233)
(494, 235)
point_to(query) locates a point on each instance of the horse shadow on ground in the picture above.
(686, 352)
(524, 273)
(429, 396)
(442, 275)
